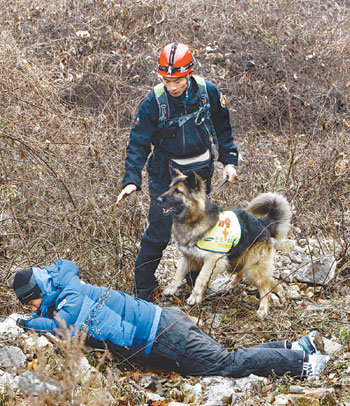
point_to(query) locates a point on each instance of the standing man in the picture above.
(176, 126)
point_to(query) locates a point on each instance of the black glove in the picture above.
(21, 323)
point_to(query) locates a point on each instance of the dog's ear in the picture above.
(194, 181)
(174, 172)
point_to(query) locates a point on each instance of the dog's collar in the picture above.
(223, 236)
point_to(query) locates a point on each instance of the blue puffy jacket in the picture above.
(186, 141)
(108, 315)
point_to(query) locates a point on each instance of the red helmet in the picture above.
(175, 60)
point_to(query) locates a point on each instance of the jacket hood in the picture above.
(53, 278)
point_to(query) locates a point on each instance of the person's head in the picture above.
(175, 67)
(26, 289)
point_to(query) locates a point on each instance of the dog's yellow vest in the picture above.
(223, 236)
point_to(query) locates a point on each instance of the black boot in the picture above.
(145, 294)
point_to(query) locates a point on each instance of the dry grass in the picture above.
(73, 73)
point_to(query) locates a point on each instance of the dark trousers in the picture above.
(182, 347)
(155, 238)
(154, 241)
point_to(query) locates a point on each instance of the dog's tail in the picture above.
(276, 210)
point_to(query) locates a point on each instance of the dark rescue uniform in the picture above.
(150, 138)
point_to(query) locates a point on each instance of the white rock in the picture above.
(9, 330)
(154, 397)
(310, 293)
(320, 271)
(83, 34)
(302, 242)
(275, 300)
(286, 261)
(196, 389)
(219, 388)
(315, 250)
(293, 292)
(12, 357)
(84, 371)
(331, 347)
(282, 400)
(7, 381)
(286, 275)
(297, 257)
(36, 383)
(220, 282)
(300, 250)
(35, 342)
(193, 393)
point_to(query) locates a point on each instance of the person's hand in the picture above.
(19, 319)
(229, 172)
(21, 322)
(24, 316)
(126, 192)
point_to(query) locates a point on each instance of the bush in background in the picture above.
(72, 75)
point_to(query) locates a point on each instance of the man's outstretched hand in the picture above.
(230, 173)
(128, 190)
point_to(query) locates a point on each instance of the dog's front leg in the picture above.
(181, 271)
(202, 280)
(264, 302)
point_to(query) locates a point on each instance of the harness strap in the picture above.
(205, 108)
(202, 114)
(162, 101)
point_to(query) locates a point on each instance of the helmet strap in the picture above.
(188, 80)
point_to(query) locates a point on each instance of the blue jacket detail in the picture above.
(186, 141)
(107, 314)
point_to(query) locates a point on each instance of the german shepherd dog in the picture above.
(266, 219)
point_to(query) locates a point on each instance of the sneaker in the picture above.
(315, 365)
(311, 343)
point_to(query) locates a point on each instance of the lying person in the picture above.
(159, 338)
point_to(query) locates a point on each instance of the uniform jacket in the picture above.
(186, 141)
(108, 315)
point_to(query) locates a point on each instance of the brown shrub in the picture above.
(73, 73)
